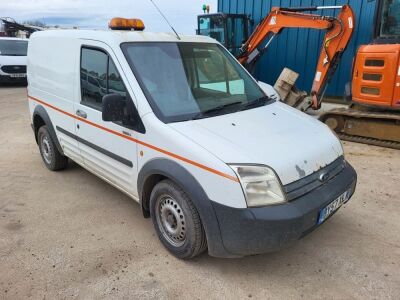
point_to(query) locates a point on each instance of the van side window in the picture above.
(93, 77)
(99, 77)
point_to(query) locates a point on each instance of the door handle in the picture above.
(81, 113)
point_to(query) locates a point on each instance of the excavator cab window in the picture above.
(390, 19)
(231, 30)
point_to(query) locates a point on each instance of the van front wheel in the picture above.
(176, 220)
(52, 158)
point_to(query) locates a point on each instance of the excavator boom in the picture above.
(338, 34)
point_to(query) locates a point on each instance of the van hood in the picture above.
(292, 143)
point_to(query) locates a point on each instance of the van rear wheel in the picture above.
(52, 158)
(176, 220)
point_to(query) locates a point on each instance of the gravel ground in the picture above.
(69, 235)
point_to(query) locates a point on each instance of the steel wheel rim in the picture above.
(171, 220)
(46, 150)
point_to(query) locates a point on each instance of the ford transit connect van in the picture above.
(212, 156)
(13, 53)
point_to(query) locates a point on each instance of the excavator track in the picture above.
(366, 127)
(369, 141)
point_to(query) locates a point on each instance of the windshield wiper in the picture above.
(215, 109)
(258, 102)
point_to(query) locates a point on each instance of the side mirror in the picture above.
(117, 108)
(114, 108)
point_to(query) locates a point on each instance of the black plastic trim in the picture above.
(97, 148)
(42, 113)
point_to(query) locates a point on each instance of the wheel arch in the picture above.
(40, 117)
(159, 169)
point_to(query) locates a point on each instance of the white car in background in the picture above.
(13, 52)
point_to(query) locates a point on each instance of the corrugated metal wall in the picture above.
(299, 49)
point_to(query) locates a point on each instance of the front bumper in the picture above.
(10, 79)
(259, 230)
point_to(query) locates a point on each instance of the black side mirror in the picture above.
(117, 108)
(114, 108)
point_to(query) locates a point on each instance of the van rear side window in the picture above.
(99, 77)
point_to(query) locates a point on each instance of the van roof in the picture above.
(121, 36)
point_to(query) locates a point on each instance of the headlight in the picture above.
(260, 184)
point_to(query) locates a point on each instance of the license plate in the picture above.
(332, 207)
(18, 75)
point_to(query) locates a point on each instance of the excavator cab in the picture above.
(231, 30)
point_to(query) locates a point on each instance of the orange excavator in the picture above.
(226, 28)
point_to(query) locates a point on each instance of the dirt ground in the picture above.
(69, 235)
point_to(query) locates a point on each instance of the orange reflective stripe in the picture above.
(176, 156)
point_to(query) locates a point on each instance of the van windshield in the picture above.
(13, 48)
(186, 81)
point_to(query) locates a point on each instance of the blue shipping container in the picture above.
(298, 49)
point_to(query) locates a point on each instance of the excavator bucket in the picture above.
(286, 88)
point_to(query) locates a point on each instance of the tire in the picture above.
(176, 220)
(51, 157)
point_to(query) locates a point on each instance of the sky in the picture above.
(96, 13)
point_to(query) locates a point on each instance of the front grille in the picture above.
(13, 69)
(307, 184)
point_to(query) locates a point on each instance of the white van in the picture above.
(13, 53)
(182, 128)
